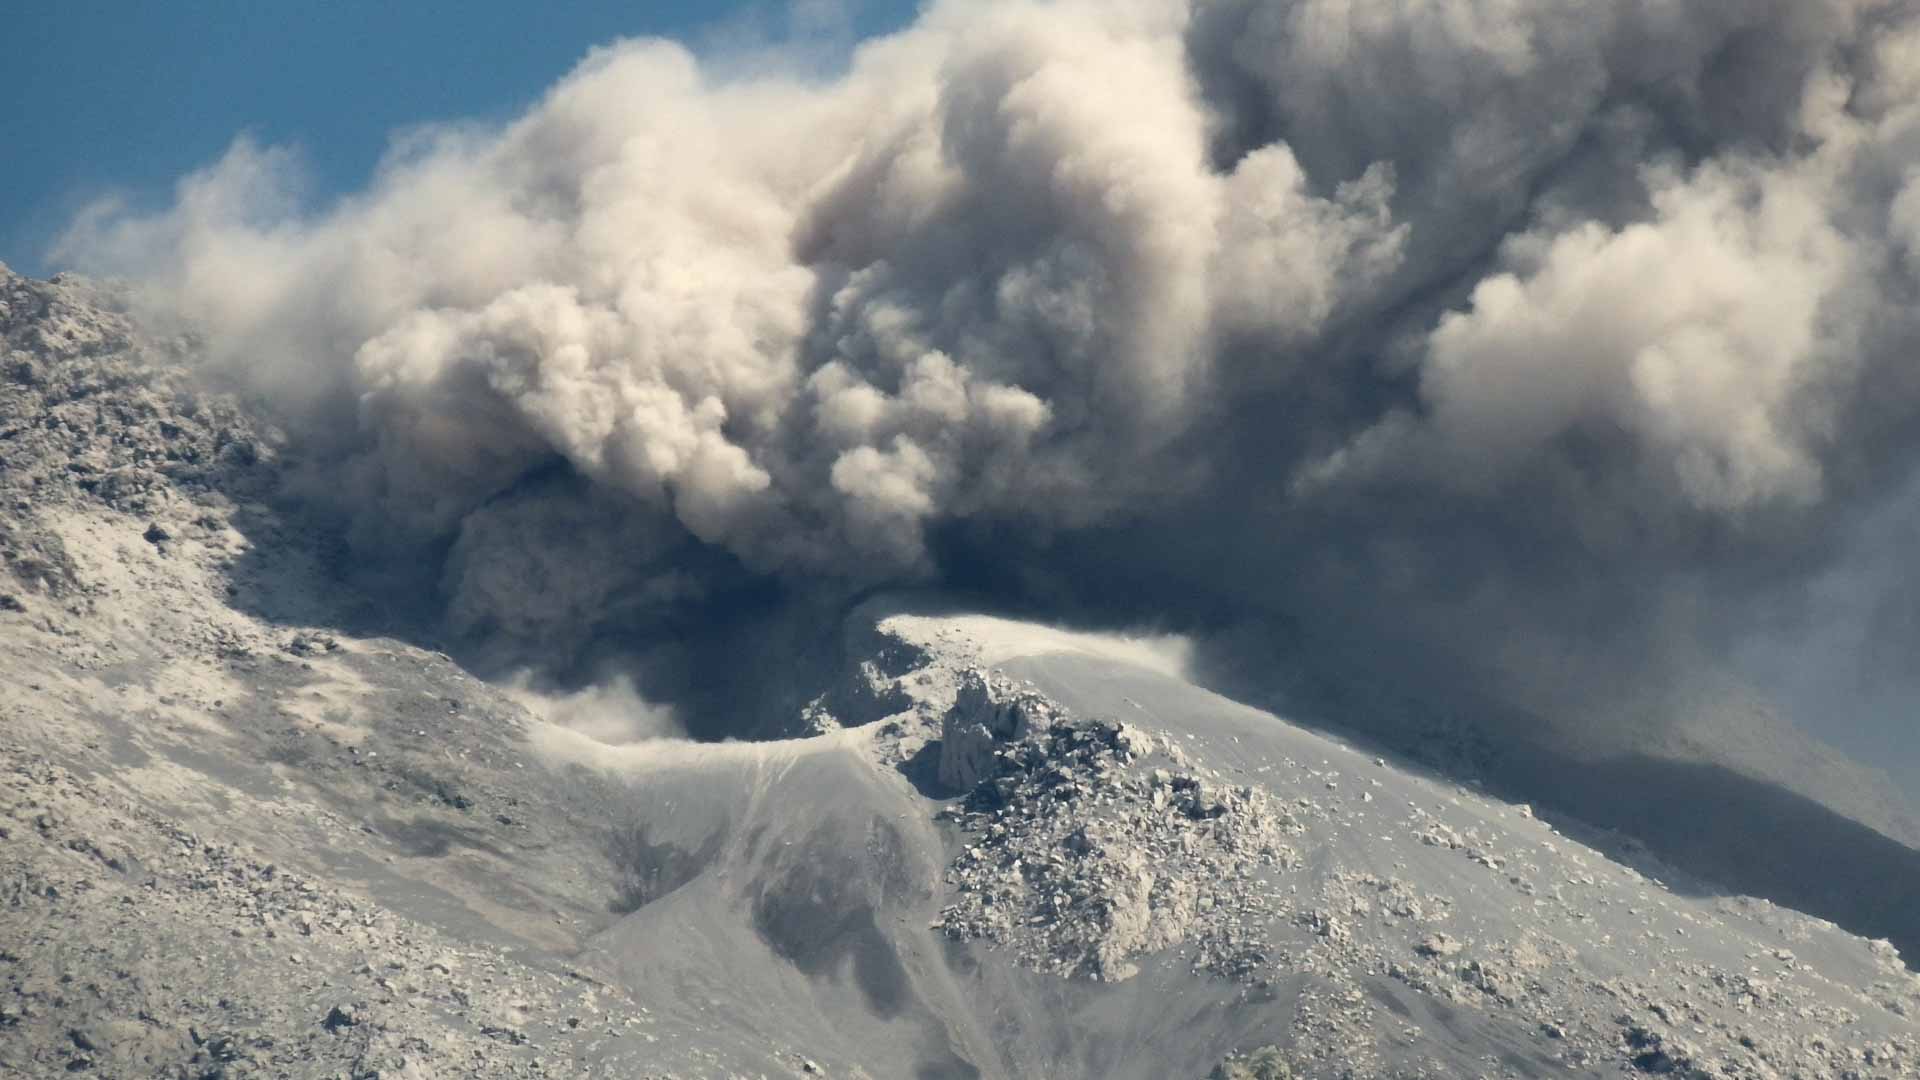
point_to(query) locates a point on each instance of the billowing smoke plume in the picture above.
(1546, 348)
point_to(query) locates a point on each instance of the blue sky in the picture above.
(102, 97)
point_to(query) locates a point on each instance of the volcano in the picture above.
(256, 824)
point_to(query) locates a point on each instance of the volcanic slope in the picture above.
(1143, 878)
(240, 839)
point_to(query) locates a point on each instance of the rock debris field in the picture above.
(1091, 844)
(1080, 861)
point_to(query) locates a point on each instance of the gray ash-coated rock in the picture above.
(1081, 858)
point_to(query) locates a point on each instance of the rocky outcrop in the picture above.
(986, 715)
(1082, 858)
(95, 409)
(95, 413)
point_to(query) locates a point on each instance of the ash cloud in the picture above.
(610, 712)
(1532, 350)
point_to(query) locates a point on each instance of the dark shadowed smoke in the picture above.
(1551, 362)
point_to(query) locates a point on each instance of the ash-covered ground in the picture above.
(247, 832)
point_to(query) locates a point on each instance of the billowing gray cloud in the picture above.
(1546, 341)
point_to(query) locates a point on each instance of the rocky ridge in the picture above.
(95, 412)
